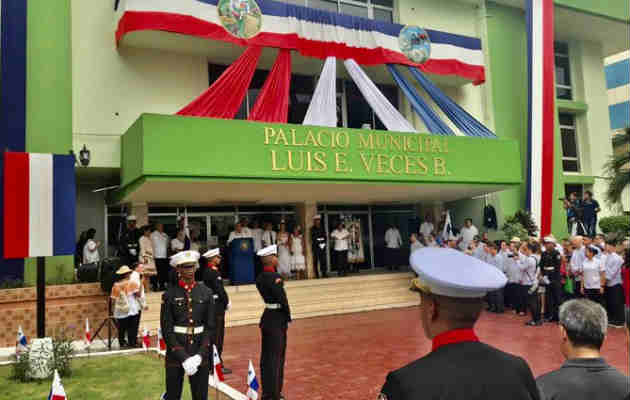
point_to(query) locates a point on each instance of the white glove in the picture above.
(191, 364)
(188, 369)
(196, 359)
(229, 306)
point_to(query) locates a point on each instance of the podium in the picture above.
(242, 261)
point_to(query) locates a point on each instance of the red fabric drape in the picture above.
(272, 104)
(225, 96)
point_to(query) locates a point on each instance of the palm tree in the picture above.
(618, 167)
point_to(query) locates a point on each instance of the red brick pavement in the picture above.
(348, 356)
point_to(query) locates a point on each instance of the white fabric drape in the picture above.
(323, 108)
(388, 114)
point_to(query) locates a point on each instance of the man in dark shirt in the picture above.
(590, 208)
(550, 262)
(319, 243)
(585, 374)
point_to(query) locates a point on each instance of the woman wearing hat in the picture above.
(126, 307)
(593, 276)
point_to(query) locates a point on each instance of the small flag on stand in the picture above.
(161, 342)
(218, 368)
(57, 391)
(146, 339)
(448, 228)
(20, 343)
(88, 335)
(252, 383)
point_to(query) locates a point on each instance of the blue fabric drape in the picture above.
(431, 120)
(464, 121)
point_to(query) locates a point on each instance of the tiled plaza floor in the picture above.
(348, 356)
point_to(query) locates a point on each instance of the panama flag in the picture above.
(57, 391)
(20, 343)
(218, 368)
(146, 339)
(542, 112)
(88, 335)
(39, 205)
(161, 342)
(252, 383)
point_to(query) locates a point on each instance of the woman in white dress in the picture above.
(146, 258)
(298, 262)
(284, 256)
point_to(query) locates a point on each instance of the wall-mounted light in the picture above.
(84, 156)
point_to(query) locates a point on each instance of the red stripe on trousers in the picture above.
(133, 21)
(16, 205)
(549, 114)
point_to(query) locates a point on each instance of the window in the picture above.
(574, 188)
(382, 10)
(570, 148)
(563, 71)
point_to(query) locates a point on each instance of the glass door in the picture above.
(357, 223)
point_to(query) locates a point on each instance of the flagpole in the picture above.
(41, 297)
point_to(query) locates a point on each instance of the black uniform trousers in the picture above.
(319, 262)
(220, 321)
(535, 306)
(122, 324)
(341, 261)
(522, 299)
(594, 295)
(163, 268)
(553, 295)
(198, 383)
(496, 301)
(615, 304)
(272, 356)
(510, 295)
(392, 258)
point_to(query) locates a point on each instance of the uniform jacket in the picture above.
(489, 217)
(463, 371)
(212, 279)
(318, 239)
(271, 288)
(550, 263)
(193, 308)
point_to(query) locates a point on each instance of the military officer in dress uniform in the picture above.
(452, 286)
(129, 247)
(273, 325)
(550, 262)
(187, 321)
(318, 242)
(211, 277)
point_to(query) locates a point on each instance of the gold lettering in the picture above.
(340, 162)
(427, 144)
(274, 163)
(293, 142)
(319, 139)
(367, 164)
(310, 139)
(407, 143)
(309, 161)
(346, 139)
(381, 163)
(269, 133)
(281, 137)
(445, 149)
(439, 166)
(320, 158)
(394, 142)
(408, 165)
(423, 168)
(291, 166)
(419, 144)
(392, 165)
(436, 145)
(381, 144)
(366, 141)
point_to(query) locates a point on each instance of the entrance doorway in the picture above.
(360, 254)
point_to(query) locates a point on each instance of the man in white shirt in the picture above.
(496, 298)
(427, 226)
(245, 228)
(614, 286)
(257, 234)
(467, 234)
(269, 236)
(237, 233)
(393, 241)
(577, 259)
(160, 249)
(340, 237)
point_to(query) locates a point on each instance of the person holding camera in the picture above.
(574, 212)
(590, 208)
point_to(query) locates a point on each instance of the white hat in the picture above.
(450, 273)
(317, 216)
(515, 239)
(185, 257)
(212, 253)
(268, 251)
(549, 239)
(131, 217)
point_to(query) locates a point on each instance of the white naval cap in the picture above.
(549, 239)
(212, 253)
(268, 251)
(185, 257)
(450, 273)
(317, 216)
(131, 217)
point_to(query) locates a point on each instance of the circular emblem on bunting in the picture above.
(242, 18)
(244, 246)
(414, 43)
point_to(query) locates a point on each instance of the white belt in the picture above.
(188, 330)
(215, 296)
(273, 306)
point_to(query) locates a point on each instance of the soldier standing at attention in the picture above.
(550, 262)
(318, 241)
(459, 366)
(273, 325)
(211, 277)
(188, 324)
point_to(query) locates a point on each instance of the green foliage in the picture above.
(513, 228)
(62, 353)
(520, 225)
(21, 368)
(617, 168)
(619, 224)
(11, 284)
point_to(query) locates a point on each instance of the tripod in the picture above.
(109, 321)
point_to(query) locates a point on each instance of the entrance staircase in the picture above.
(310, 298)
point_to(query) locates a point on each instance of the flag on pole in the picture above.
(186, 230)
(252, 383)
(88, 335)
(542, 112)
(161, 342)
(146, 339)
(57, 391)
(448, 227)
(218, 368)
(20, 343)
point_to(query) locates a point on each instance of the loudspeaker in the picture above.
(88, 272)
(109, 266)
